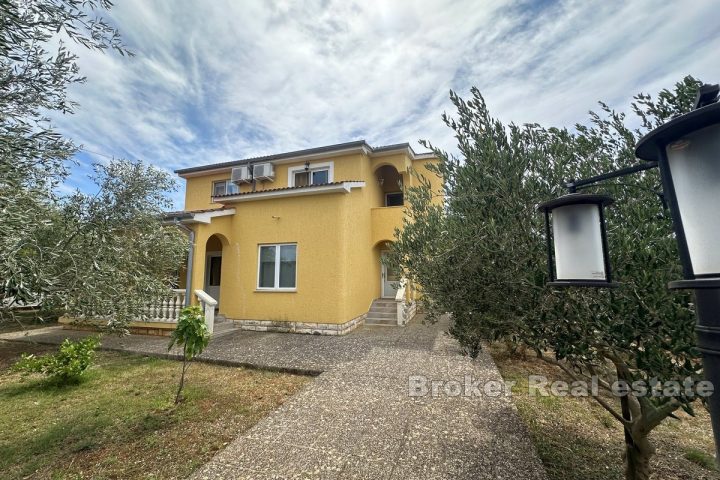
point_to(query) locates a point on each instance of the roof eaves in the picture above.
(278, 156)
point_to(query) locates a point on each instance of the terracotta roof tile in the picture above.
(205, 210)
(283, 188)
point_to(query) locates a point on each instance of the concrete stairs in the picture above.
(223, 325)
(382, 312)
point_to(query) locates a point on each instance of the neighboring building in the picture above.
(293, 242)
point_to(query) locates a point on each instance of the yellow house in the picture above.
(293, 242)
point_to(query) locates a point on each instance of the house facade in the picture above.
(293, 242)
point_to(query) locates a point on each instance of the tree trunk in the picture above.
(178, 395)
(637, 459)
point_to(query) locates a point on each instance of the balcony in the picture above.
(384, 222)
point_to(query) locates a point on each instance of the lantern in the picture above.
(577, 241)
(687, 150)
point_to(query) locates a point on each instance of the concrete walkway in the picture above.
(358, 419)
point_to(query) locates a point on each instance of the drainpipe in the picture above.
(188, 273)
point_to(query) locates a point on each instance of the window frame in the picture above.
(276, 287)
(228, 184)
(387, 194)
(216, 183)
(314, 167)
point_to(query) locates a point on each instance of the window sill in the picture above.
(276, 290)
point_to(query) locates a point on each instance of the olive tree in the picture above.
(84, 254)
(482, 256)
(108, 254)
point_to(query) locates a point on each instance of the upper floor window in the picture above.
(224, 187)
(394, 199)
(310, 174)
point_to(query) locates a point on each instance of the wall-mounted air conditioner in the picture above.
(241, 174)
(263, 171)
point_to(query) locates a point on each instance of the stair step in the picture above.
(374, 321)
(383, 309)
(382, 315)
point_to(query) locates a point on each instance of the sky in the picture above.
(220, 80)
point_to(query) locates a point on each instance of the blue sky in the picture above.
(220, 80)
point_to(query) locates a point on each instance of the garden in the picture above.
(120, 419)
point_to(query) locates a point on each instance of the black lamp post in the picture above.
(578, 251)
(687, 150)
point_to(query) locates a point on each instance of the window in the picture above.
(317, 174)
(277, 267)
(394, 199)
(224, 187)
(311, 177)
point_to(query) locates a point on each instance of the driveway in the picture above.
(360, 418)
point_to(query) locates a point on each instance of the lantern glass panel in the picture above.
(695, 168)
(578, 243)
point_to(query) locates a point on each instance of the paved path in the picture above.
(357, 419)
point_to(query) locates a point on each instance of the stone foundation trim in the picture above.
(300, 327)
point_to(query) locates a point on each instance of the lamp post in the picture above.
(579, 257)
(687, 150)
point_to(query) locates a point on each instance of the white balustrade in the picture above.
(167, 309)
(208, 304)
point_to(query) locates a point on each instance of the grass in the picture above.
(120, 422)
(577, 439)
(701, 458)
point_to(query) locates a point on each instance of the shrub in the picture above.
(193, 335)
(64, 367)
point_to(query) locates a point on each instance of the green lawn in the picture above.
(121, 421)
(578, 440)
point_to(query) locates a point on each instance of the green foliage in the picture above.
(191, 332)
(701, 458)
(103, 255)
(482, 255)
(67, 366)
(193, 335)
(116, 243)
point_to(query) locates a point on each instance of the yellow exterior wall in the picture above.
(198, 189)
(339, 237)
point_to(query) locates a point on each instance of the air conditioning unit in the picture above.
(240, 175)
(263, 171)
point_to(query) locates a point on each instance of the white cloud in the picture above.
(213, 81)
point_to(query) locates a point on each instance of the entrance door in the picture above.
(390, 280)
(213, 269)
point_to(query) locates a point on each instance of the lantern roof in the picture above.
(649, 146)
(575, 199)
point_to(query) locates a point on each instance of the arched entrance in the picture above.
(213, 267)
(389, 277)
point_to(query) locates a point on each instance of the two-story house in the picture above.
(294, 241)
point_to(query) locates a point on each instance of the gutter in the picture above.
(188, 273)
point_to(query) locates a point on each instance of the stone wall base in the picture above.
(300, 327)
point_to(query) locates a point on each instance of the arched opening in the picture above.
(389, 277)
(391, 186)
(213, 266)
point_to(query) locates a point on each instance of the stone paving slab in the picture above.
(357, 419)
